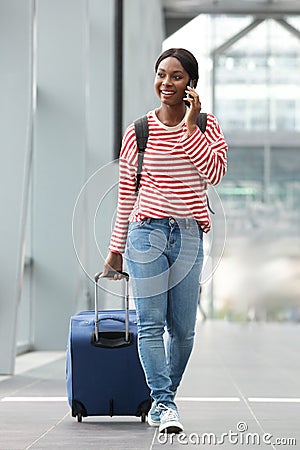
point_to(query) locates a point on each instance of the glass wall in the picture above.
(257, 80)
(249, 78)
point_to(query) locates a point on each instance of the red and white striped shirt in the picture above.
(176, 169)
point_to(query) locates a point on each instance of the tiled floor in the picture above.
(241, 390)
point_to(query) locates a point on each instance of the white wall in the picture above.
(73, 139)
(15, 25)
(144, 35)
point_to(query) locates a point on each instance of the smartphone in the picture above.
(191, 84)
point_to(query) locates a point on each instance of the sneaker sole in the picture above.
(171, 428)
(152, 423)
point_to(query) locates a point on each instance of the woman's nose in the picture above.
(166, 81)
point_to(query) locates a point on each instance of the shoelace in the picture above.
(167, 413)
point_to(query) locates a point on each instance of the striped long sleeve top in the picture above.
(176, 169)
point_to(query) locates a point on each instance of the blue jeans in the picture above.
(164, 258)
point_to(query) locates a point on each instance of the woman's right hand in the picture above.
(114, 261)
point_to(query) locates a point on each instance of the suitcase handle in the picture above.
(116, 318)
(112, 339)
(111, 274)
(125, 277)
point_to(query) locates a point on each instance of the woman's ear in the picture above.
(192, 83)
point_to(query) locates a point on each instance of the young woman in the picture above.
(161, 229)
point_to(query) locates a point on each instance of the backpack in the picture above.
(142, 133)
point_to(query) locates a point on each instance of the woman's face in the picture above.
(170, 81)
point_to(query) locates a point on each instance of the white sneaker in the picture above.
(169, 420)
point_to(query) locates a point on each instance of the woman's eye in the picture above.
(163, 75)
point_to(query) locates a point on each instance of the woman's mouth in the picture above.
(166, 93)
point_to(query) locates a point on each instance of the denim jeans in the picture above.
(164, 259)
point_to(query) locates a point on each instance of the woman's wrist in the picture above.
(115, 252)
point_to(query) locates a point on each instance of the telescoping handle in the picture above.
(111, 274)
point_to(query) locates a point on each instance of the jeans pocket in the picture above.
(195, 230)
(135, 226)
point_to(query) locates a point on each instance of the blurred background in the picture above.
(249, 78)
(74, 75)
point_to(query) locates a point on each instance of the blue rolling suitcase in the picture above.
(103, 372)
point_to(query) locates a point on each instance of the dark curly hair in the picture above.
(186, 58)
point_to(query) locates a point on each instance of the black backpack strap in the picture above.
(141, 134)
(201, 121)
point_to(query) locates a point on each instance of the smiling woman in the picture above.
(176, 73)
(161, 229)
(170, 84)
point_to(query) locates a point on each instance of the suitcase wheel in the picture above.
(79, 417)
(143, 417)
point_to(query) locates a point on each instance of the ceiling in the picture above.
(178, 13)
(188, 9)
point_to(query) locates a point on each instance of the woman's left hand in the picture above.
(194, 109)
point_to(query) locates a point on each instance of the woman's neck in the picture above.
(170, 115)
